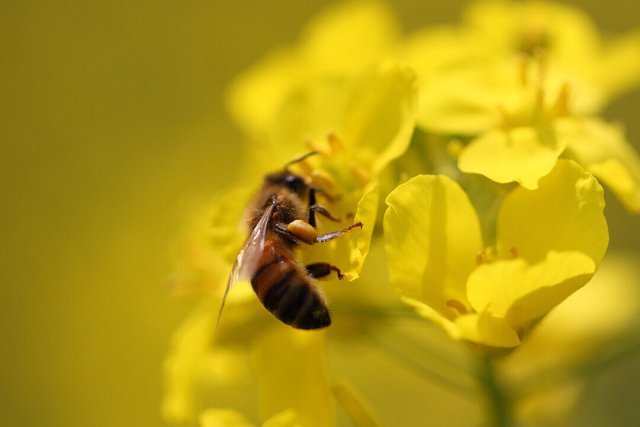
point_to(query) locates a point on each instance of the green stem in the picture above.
(432, 372)
(499, 401)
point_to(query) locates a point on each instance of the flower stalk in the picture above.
(498, 400)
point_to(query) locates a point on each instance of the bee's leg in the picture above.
(295, 237)
(315, 208)
(335, 234)
(302, 232)
(322, 269)
(324, 212)
(312, 212)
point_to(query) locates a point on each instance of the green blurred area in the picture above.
(112, 130)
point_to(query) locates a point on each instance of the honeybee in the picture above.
(283, 216)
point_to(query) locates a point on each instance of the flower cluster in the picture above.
(483, 140)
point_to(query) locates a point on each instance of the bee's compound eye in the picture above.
(295, 183)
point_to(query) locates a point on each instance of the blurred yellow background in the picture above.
(112, 129)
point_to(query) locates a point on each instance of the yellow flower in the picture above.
(549, 243)
(566, 37)
(550, 371)
(452, 61)
(338, 43)
(521, 82)
(358, 413)
(604, 151)
(535, 129)
(285, 361)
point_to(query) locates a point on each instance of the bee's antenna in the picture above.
(300, 158)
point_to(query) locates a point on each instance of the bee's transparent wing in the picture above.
(248, 257)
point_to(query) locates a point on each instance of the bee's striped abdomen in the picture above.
(285, 289)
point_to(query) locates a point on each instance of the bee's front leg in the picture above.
(335, 234)
(303, 232)
(315, 208)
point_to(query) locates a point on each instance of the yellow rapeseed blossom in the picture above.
(550, 370)
(566, 37)
(335, 45)
(549, 243)
(522, 81)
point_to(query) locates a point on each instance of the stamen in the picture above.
(514, 253)
(523, 71)
(457, 306)
(323, 179)
(359, 173)
(562, 102)
(335, 143)
(454, 148)
(306, 167)
(503, 118)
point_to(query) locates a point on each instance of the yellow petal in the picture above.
(226, 231)
(313, 109)
(380, 115)
(523, 155)
(355, 406)
(435, 50)
(521, 292)
(349, 35)
(566, 32)
(292, 374)
(254, 96)
(451, 101)
(342, 40)
(223, 418)
(449, 326)
(588, 322)
(432, 236)
(618, 176)
(360, 242)
(620, 55)
(564, 214)
(466, 100)
(372, 114)
(210, 244)
(288, 418)
(483, 328)
(603, 149)
(191, 359)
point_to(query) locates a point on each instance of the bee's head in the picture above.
(289, 180)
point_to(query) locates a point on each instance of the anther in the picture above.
(335, 143)
(514, 253)
(323, 179)
(359, 173)
(457, 306)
